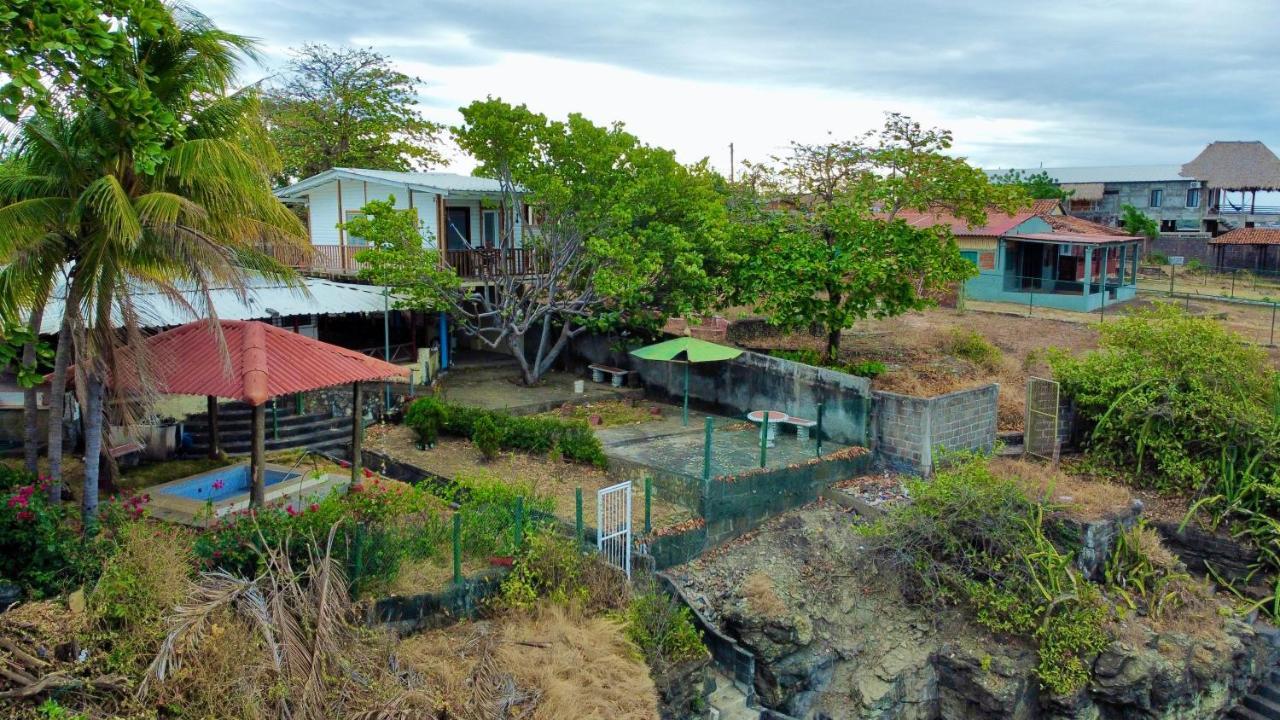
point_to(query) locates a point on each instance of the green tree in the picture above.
(827, 243)
(1038, 185)
(78, 213)
(397, 256)
(1136, 222)
(345, 107)
(626, 235)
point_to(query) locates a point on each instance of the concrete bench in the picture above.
(599, 371)
(802, 427)
(130, 453)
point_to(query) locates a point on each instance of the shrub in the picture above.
(809, 356)
(533, 434)
(425, 417)
(141, 581)
(488, 508)
(554, 567)
(41, 547)
(972, 539)
(13, 476)
(972, 346)
(663, 629)
(1156, 258)
(1166, 392)
(486, 438)
(867, 368)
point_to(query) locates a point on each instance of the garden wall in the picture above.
(413, 613)
(908, 432)
(750, 382)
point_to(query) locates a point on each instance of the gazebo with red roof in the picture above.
(1260, 240)
(252, 362)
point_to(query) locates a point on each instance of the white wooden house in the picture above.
(467, 207)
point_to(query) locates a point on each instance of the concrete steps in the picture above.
(728, 702)
(1263, 704)
(286, 431)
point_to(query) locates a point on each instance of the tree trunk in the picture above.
(30, 399)
(357, 432)
(93, 422)
(833, 344)
(58, 408)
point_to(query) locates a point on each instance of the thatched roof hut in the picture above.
(1236, 166)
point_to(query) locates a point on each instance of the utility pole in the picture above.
(730, 162)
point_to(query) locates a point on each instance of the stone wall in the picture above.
(908, 432)
(750, 382)
(1243, 257)
(413, 613)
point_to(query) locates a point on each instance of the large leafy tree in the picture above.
(1038, 185)
(347, 107)
(78, 217)
(396, 256)
(624, 234)
(69, 52)
(825, 229)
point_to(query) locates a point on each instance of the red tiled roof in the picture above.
(1045, 207)
(997, 223)
(264, 362)
(1248, 236)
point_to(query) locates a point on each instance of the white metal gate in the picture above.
(1040, 434)
(613, 525)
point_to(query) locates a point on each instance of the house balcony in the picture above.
(469, 264)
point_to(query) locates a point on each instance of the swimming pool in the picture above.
(200, 499)
(225, 482)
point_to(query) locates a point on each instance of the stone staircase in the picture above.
(317, 431)
(728, 702)
(1263, 704)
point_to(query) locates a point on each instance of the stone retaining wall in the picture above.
(413, 613)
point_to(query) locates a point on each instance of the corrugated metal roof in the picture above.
(1074, 239)
(1106, 174)
(997, 223)
(264, 362)
(315, 296)
(443, 182)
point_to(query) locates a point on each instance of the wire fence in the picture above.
(1246, 301)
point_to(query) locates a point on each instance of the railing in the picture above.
(1230, 208)
(491, 262)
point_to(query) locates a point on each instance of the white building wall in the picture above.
(323, 205)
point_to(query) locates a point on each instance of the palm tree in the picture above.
(197, 220)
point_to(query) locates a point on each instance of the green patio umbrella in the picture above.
(693, 350)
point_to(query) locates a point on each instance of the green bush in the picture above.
(554, 567)
(487, 506)
(972, 346)
(540, 435)
(867, 368)
(486, 438)
(425, 417)
(663, 629)
(1166, 392)
(972, 539)
(809, 356)
(1155, 258)
(41, 545)
(13, 476)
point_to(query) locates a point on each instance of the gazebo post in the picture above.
(214, 439)
(357, 432)
(258, 488)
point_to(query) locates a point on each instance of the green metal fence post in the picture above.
(457, 547)
(1233, 284)
(519, 531)
(764, 434)
(1273, 323)
(275, 420)
(1173, 272)
(297, 404)
(648, 504)
(577, 523)
(821, 409)
(706, 452)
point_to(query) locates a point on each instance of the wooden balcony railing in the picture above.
(470, 264)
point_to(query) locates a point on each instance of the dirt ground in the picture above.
(452, 457)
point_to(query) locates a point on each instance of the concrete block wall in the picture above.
(908, 432)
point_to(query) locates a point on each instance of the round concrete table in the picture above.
(771, 418)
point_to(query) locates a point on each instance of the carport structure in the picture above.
(252, 362)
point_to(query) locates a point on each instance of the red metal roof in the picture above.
(997, 223)
(1075, 239)
(261, 361)
(1248, 236)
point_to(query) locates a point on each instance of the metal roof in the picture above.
(1106, 174)
(434, 182)
(997, 223)
(314, 296)
(1066, 239)
(250, 361)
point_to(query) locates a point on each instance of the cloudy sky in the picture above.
(1020, 82)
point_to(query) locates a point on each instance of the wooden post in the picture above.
(357, 430)
(257, 460)
(214, 439)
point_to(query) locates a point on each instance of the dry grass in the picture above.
(547, 665)
(452, 457)
(759, 592)
(429, 575)
(612, 412)
(1080, 498)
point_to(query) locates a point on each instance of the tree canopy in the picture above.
(347, 107)
(1136, 222)
(1038, 185)
(397, 256)
(827, 240)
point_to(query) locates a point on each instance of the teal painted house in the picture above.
(1044, 258)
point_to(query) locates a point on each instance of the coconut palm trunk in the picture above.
(58, 408)
(94, 389)
(30, 399)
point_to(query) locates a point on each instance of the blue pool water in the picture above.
(234, 481)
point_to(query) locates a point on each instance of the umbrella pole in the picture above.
(257, 452)
(686, 395)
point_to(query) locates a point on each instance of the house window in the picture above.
(489, 228)
(1193, 197)
(970, 255)
(354, 240)
(1157, 197)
